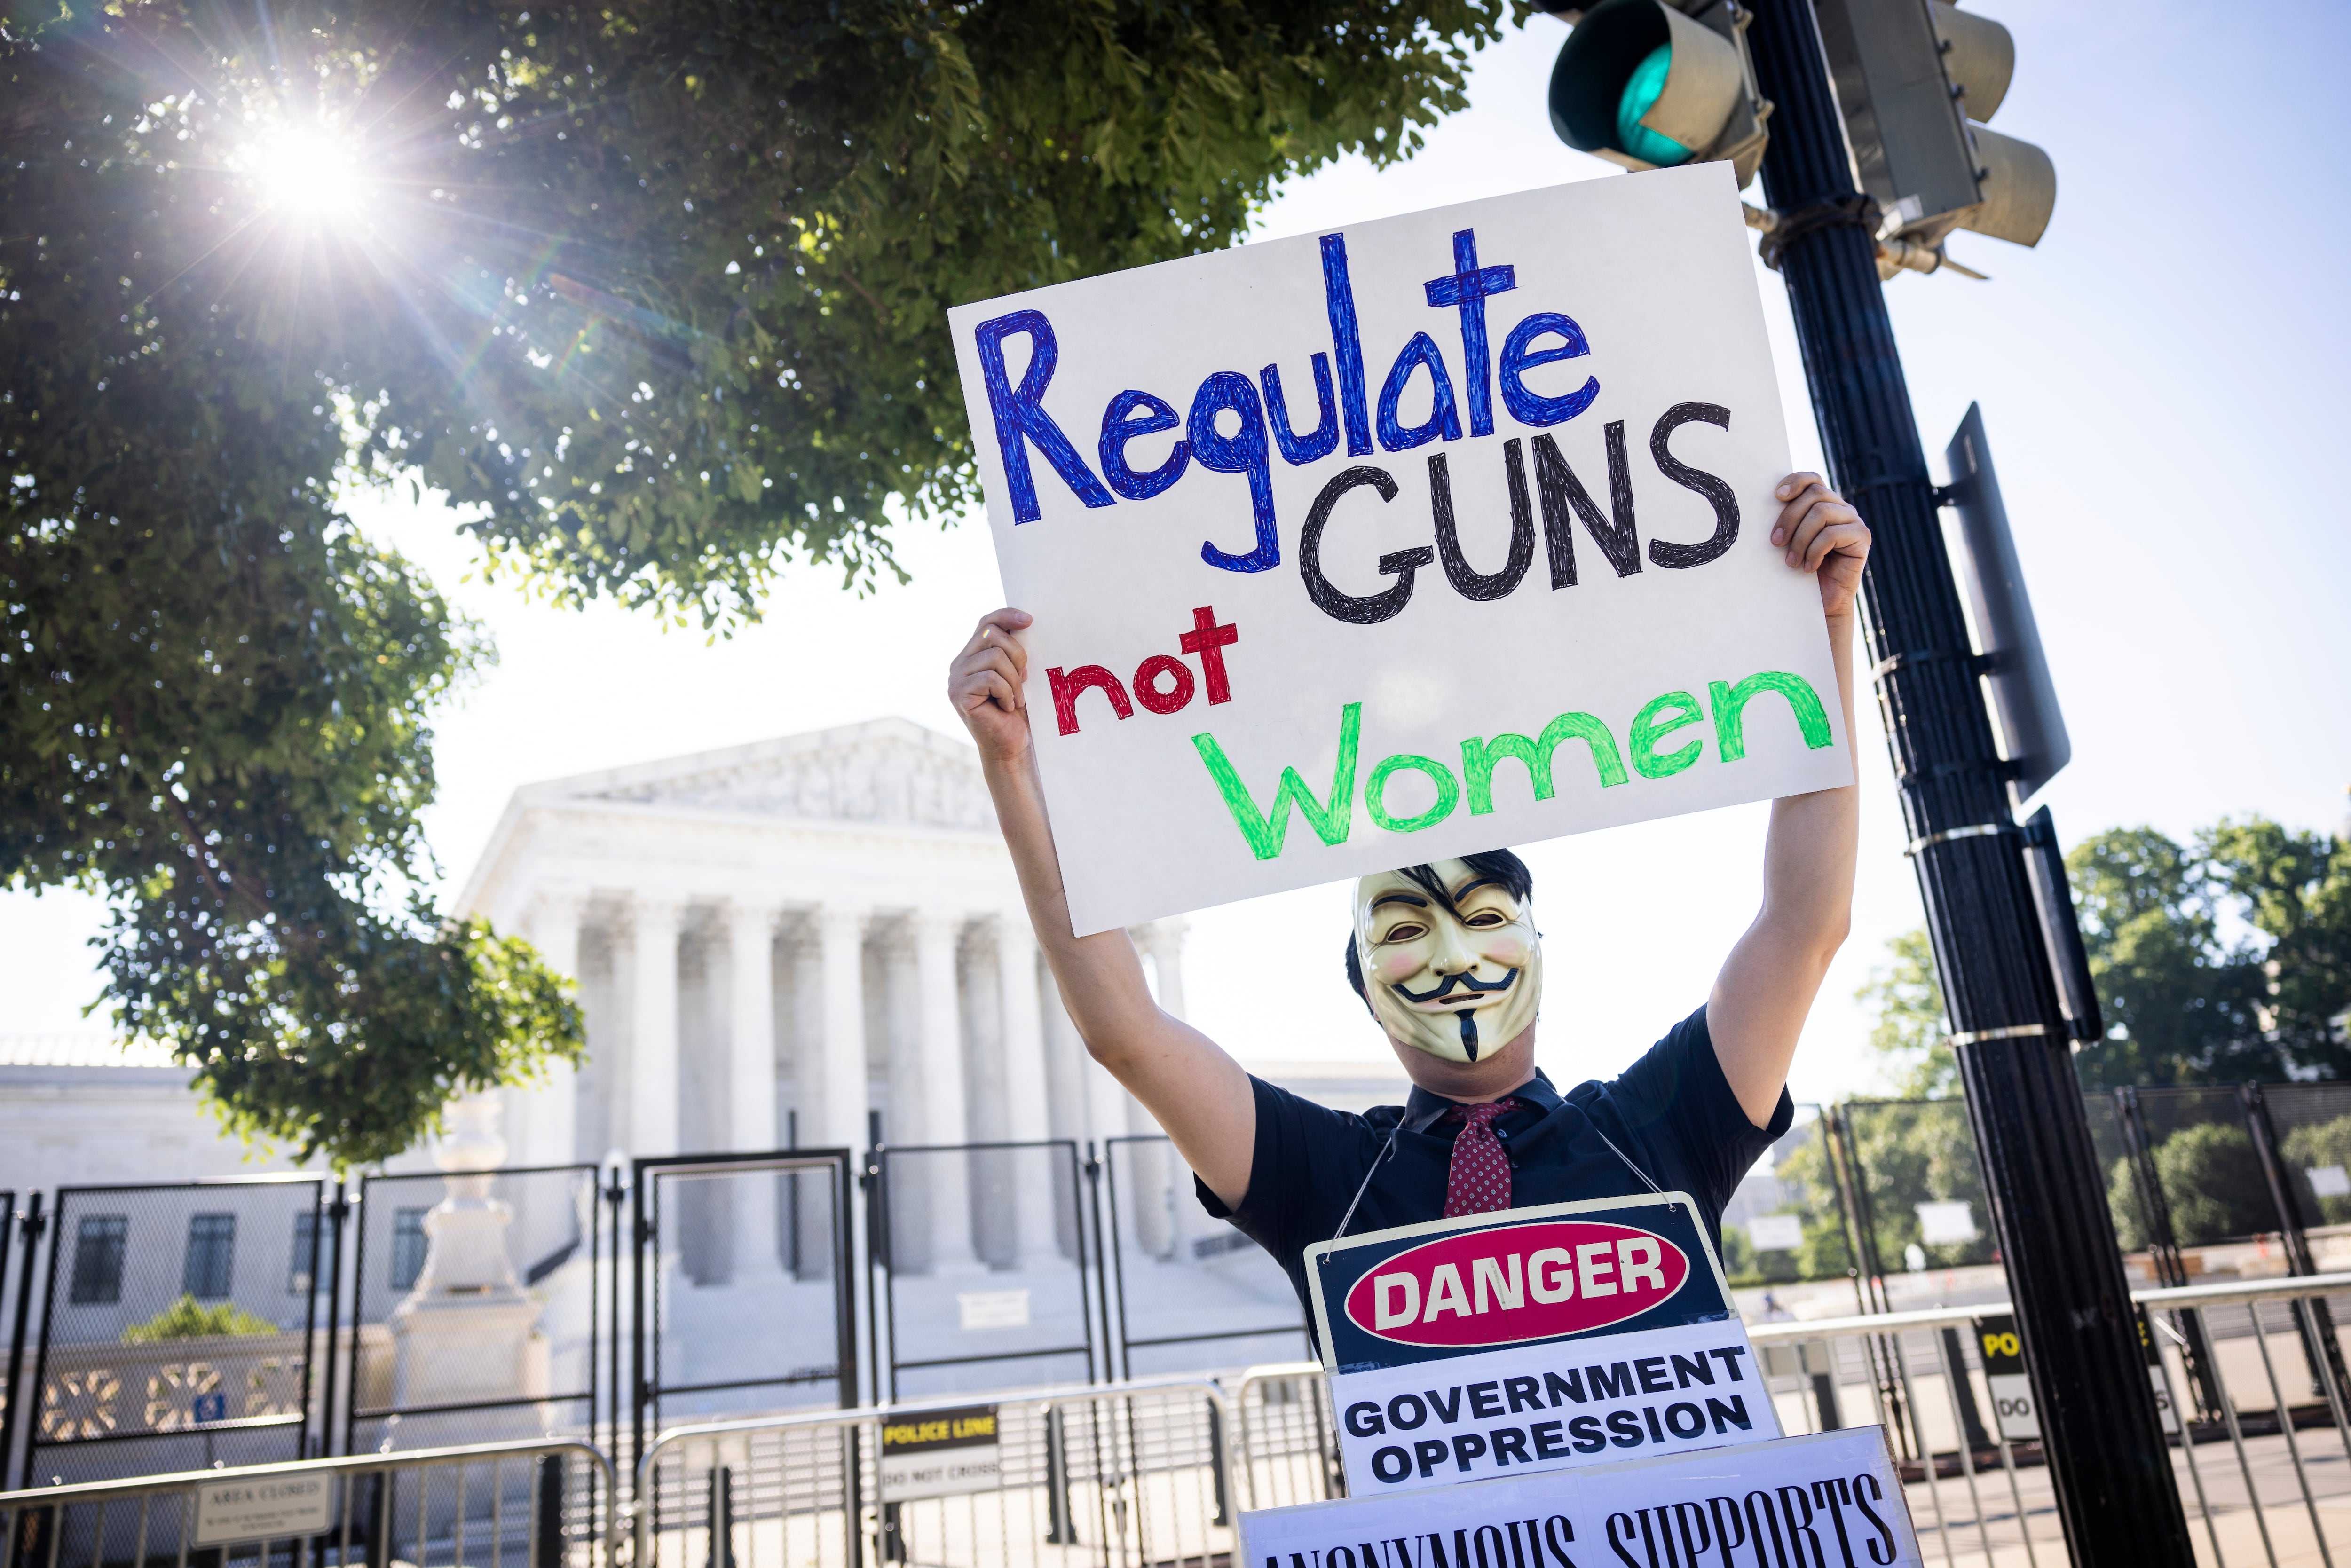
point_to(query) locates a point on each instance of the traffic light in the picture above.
(1653, 83)
(1915, 79)
(1650, 85)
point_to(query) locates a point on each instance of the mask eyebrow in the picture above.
(1413, 899)
(1474, 883)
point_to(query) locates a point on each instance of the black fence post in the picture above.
(1061, 1530)
(2321, 1353)
(547, 1542)
(29, 1228)
(721, 1528)
(2163, 1246)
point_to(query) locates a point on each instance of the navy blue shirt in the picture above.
(1672, 1114)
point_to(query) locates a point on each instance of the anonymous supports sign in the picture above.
(1830, 1501)
(1407, 540)
(1537, 1339)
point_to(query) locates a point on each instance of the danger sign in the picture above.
(1564, 1335)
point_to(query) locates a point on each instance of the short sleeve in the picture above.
(1676, 1096)
(1289, 1184)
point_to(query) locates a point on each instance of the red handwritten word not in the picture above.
(1162, 683)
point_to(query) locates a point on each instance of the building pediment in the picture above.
(885, 771)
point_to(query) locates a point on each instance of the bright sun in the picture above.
(303, 174)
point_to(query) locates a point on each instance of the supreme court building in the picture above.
(816, 941)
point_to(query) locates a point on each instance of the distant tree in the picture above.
(655, 293)
(2315, 1145)
(2180, 1002)
(2226, 960)
(2295, 890)
(1910, 1031)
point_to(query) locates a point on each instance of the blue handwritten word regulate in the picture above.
(1258, 410)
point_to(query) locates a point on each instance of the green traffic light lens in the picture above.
(1642, 89)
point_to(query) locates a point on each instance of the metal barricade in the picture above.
(1978, 1488)
(1119, 1475)
(526, 1504)
(1285, 1449)
(1182, 1291)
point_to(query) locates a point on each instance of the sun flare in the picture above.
(311, 173)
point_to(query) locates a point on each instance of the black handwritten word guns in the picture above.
(1236, 424)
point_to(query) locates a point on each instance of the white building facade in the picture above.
(814, 942)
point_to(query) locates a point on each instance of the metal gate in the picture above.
(744, 1299)
(1179, 1279)
(980, 1255)
(522, 1256)
(179, 1328)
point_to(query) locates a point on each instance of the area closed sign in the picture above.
(1536, 1338)
(268, 1508)
(1409, 539)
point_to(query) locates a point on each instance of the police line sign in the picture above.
(1532, 1340)
(1411, 539)
(1828, 1501)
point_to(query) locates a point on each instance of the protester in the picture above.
(1447, 958)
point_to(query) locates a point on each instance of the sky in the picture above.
(2161, 378)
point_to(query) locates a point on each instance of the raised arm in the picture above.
(1768, 984)
(1200, 1094)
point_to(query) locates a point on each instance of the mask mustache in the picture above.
(1462, 981)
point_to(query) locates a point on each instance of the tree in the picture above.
(2295, 890)
(1911, 1032)
(2186, 1001)
(2179, 1002)
(658, 293)
(2213, 1184)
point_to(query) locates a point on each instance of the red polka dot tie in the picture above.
(1479, 1179)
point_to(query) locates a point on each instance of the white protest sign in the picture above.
(270, 1508)
(1531, 1339)
(1415, 538)
(1828, 1501)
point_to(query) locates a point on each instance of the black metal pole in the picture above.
(2111, 1470)
(31, 1226)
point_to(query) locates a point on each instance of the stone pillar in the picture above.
(652, 1087)
(1027, 1111)
(553, 1123)
(751, 1083)
(841, 935)
(943, 1091)
(468, 1331)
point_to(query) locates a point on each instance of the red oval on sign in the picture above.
(1518, 1283)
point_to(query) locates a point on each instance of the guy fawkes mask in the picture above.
(1452, 965)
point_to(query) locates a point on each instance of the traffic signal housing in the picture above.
(1649, 85)
(1915, 81)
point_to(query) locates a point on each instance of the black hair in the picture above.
(1501, 865)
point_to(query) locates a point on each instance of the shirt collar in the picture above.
(1422, 1109)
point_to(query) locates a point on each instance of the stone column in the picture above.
(751, 1083)
(553, 1118)
(841, 935)
(652, 1086)
(943, 1092)
(1027, 1111)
